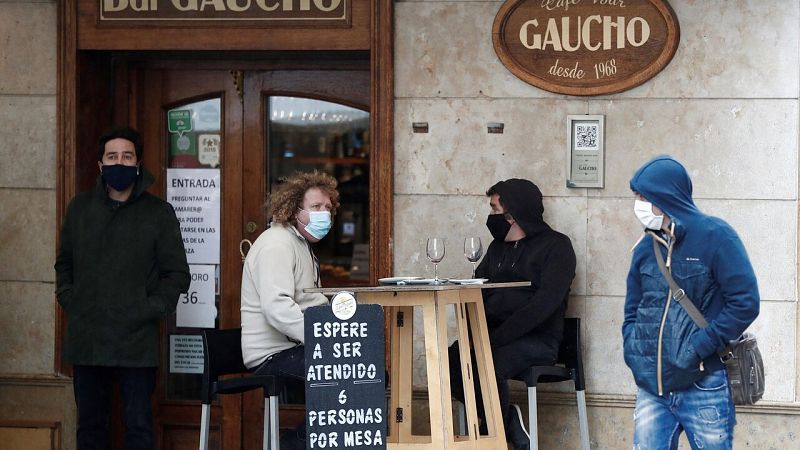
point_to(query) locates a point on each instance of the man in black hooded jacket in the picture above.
(525, 324)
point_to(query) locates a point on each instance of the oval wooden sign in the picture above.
(585, 47)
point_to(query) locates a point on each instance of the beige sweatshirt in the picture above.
(278, 267)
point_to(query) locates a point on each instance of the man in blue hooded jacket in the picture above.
(682, 382)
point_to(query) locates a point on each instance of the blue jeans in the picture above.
(705, 411)
(93, 392)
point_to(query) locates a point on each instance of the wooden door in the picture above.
(238, 114)
(299, 120)
(214, 108)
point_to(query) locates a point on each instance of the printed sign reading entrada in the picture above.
(585, 47)
(204, 10)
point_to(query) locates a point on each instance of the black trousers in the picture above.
(509, 361)
(288, 363)
(93, 390)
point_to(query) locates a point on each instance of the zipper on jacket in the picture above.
(660, 339)
(669, 243)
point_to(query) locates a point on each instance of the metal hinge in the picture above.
(398, 415)
(400, 319)
(238, 82)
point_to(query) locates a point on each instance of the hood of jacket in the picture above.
(665, 183)
(523, 200)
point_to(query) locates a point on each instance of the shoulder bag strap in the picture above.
(677, 293)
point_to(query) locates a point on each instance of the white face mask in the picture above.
(644, 212)
(319, 223)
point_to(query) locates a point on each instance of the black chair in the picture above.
(568, 367)
(222, 350)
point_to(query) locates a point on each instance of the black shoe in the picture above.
(517, 434)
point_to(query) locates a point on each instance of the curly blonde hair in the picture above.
(288, 197)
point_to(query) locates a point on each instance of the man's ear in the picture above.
(100, 166)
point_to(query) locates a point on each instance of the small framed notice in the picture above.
(586, 138)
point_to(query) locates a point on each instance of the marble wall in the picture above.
(27, 185)
(36, 406)
(727, 106)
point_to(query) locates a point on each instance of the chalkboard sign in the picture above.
(345, 379)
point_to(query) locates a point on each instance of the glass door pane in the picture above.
(306, 134)
(193, 188)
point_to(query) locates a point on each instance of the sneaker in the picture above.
(517, 433)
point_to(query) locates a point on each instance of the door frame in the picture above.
(89, 88)
(81, 115)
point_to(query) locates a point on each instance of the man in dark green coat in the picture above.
(120, 269)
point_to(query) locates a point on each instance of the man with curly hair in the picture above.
(279, 265)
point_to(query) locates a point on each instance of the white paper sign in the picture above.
(195, 195)
(185, 353)
(196, 307)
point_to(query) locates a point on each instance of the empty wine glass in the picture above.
(435, 252)
(473, 250)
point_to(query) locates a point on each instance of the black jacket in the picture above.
(119, 270)
(544, 257)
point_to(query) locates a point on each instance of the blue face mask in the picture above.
(319, 223)
(119, 176)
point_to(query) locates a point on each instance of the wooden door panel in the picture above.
(347, 87)
(156, 92)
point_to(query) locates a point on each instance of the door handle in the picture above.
(242, 250)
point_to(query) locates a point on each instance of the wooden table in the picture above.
(467, 301)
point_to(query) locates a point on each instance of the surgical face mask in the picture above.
(119, 176)
(319, 223)
(644, 212)
(498, 226)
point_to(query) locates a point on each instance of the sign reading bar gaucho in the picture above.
(585, 47)
(276, 11)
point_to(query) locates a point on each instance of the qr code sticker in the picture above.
(586, 136)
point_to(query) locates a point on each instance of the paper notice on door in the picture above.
(196, 307)
(195, 195)
(185, 353)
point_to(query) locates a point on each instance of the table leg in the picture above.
(485, 368)
(402, 332)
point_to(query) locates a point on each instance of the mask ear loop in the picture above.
(297, 217)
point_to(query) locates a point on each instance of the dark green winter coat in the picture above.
(120, 269)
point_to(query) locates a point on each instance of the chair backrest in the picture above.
(222, 351)
(570, 352)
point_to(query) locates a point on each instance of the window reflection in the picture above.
(306, 134)
(200, 146)
(194, 133)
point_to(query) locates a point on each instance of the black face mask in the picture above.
(498, 226)
(119, 176)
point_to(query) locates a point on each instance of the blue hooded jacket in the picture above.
(711, 265)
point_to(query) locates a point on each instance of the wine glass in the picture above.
(435, 252)
(473, 250)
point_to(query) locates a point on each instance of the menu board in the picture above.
(345, 378)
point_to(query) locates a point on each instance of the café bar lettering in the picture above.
(585, 47)
(204, 10)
